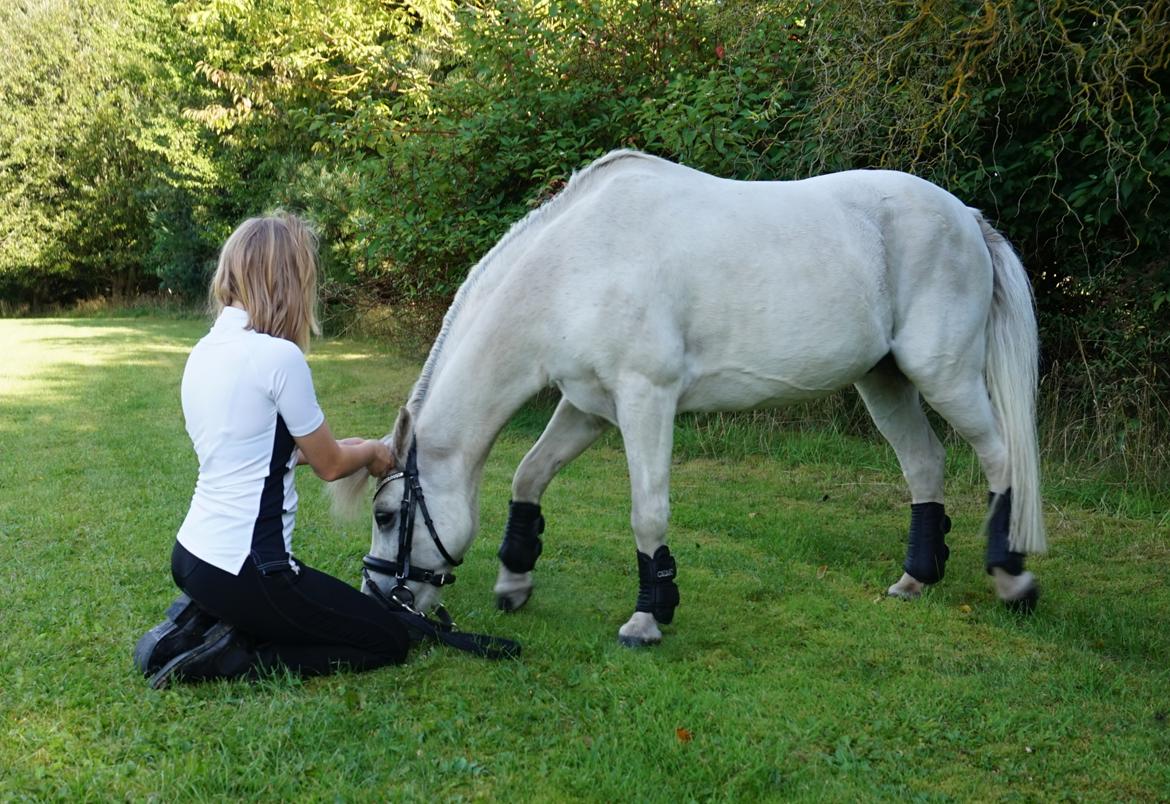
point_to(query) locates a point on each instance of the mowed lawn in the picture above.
(786, 674)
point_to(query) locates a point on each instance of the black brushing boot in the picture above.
(999, 552)
(522, 546)
(657, 591)
(926, 550)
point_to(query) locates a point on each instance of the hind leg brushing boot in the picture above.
(926, 550)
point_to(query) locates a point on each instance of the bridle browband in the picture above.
(401, 568)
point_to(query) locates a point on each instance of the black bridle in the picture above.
(400, 601)
(401, 568)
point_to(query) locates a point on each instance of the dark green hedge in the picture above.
(415, 133)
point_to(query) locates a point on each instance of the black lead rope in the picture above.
(443, 630)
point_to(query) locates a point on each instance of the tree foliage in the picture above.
(90, 147)
(414, 132)
(1050, 117)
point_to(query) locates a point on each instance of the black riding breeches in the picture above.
(305, 620)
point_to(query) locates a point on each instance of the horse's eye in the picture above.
(384, 518)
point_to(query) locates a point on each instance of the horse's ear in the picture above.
(401, 435)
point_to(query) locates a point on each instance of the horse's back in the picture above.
(747, 293)
(678, 224)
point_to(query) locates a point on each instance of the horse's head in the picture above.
(423, 522)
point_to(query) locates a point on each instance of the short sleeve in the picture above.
(292, 390)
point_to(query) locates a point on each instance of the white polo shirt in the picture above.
(245, 397)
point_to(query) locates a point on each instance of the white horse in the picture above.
(646, 288)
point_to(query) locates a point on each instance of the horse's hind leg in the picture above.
(568, 433)
(962, 399)
(894, 404)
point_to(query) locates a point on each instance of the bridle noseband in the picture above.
(401, 568)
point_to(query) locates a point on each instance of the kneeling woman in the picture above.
(252, 413)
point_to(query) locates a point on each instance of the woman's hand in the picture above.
(382, 462)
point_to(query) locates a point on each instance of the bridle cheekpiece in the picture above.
(401, 568)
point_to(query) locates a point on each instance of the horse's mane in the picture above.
(476, 277)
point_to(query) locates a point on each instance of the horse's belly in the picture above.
(735, 391)
(741, 388)
(787, 342)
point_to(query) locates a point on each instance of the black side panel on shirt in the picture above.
(268, 534)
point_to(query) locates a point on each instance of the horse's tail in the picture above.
(1013, 352)
(348, 493)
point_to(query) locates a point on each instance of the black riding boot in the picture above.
(182, 630)
(223, 653)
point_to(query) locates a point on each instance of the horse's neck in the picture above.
(481, 381)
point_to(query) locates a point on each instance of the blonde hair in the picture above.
(269, 267)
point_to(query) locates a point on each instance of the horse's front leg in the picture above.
(569, 432)
(646, 418)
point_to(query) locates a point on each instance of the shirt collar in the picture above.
(232, 317)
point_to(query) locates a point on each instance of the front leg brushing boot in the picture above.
(521, 546)
(657, 592)
(999, 552)
(927, 551)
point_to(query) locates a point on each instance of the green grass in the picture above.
(787, 669)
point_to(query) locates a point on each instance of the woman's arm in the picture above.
(332, 459)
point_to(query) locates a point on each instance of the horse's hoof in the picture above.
(907, 588)
(1018, 592)
(512, 602)
(639, 631)
(1025, 604)
(512, 589)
